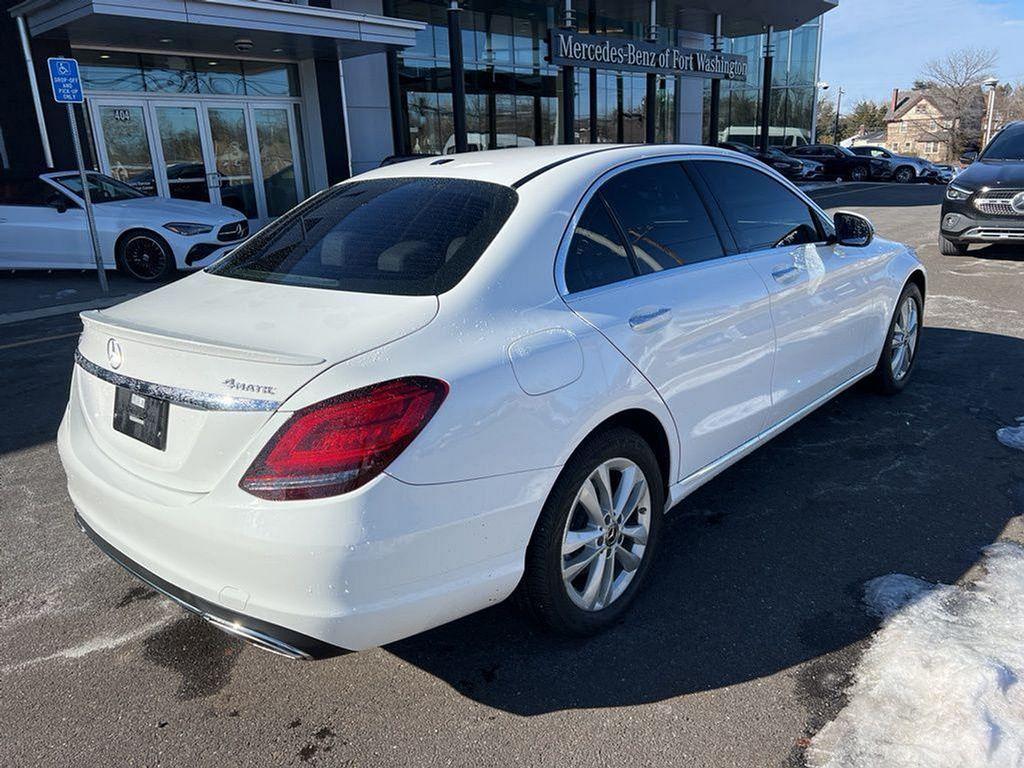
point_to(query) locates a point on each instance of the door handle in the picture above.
(786, 274)
(649, 319)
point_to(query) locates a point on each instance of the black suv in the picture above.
(790, 167)
(841, 163)
(985, 203)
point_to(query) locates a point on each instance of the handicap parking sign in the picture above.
(65, 81)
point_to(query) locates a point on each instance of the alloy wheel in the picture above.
(606, 534)
(144, 257)
(904, 339)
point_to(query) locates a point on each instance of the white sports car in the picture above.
(43, 226)
(450, 379)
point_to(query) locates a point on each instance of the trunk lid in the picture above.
(226, 353)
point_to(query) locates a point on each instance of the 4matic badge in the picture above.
(243, 386)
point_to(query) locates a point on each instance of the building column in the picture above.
(592, 72)
(715, 105)
(331, 99)
(620, 120)
(568, 87)
(458, 77)
(766, 89)
(652, 80)
(399, 129)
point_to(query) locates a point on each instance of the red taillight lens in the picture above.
(339, 444)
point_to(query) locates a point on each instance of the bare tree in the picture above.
(954, 81)
(1009, 103)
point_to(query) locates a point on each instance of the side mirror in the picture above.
(853, 230)
(968, 157)
(59, 203)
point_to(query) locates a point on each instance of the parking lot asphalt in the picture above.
(739, 649)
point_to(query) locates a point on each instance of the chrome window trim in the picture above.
(187, 398)
(675, 157)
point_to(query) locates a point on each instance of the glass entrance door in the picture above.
(181, 148)
(275, 139)
(124, 144)
(241, 155)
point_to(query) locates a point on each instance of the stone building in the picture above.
(920, 122)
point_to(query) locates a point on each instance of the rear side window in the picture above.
(665, 221)
(597, 254)
(408, 236)
(760, 212)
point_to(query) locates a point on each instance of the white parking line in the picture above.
(63, 309)
(40, 340)
(848, 191)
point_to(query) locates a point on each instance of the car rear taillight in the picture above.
(340, 444)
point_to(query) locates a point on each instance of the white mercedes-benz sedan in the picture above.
(43, 226)
(454, 379)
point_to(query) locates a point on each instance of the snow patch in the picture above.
(887, 594)
(939, 686)
(1012, 437)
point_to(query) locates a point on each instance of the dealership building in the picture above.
(257, 103)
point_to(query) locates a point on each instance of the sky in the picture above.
(873, 46)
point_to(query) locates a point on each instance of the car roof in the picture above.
(514, 167)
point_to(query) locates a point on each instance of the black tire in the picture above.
(949, 247)
(904, 175)
(859, 173)
(541, 592)
(884, 379)
(144, 256)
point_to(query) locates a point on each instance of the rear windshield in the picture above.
(412, 236)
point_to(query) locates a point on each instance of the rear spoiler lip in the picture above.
(96, 320)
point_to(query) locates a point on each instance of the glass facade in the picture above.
(104, 71)
(794, 73)
(513, 94)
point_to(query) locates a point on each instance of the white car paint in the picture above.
(42, 237)
(532, 371)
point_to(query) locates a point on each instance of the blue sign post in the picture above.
(67, 89)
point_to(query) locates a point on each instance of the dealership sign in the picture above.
(569, 48)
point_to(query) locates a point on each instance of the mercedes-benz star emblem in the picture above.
(1017, 203)
(114, 354)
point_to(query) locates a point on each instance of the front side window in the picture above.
(403, 236)
(760, 212)
(663, 217)
(102, 189)
(31, 192)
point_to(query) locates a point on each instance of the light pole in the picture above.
(839, 107)
(990, 85)
(821, 85)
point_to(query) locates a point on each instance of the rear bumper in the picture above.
(263, 634)
(356, 571)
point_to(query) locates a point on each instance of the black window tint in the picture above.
(664, 219)
(411, 236)
(760, 211)
(29, 192)
(1008, 144)
(597, 254)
